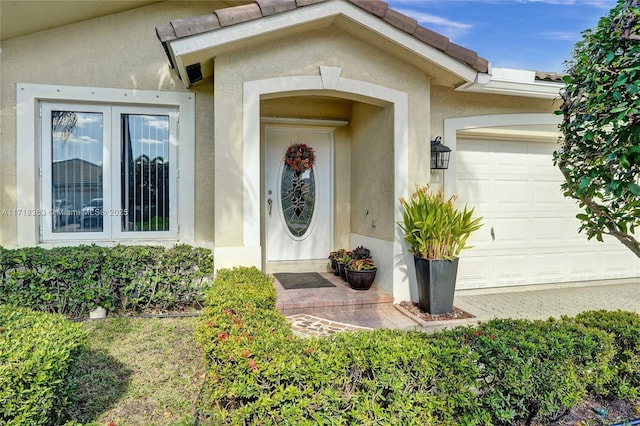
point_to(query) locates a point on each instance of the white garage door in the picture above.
(530, 230)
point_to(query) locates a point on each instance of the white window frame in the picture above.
(116, 186)
(46, 205)
(29, 141)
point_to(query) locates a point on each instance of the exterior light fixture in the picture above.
(439, 154)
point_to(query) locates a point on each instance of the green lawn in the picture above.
(138, 372)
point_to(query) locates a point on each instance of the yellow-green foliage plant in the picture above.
(434, 227)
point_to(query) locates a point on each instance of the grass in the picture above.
(138, 371)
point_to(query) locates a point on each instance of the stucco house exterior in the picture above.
(171, 119)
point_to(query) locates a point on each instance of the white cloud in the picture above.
(74, 138)
(559, 35)
(602, 4)
(155, 122)
(149, 141)
(84, 139)
(444, 26)
(88, 119)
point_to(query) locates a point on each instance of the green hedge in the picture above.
(535, 370)
(498, 372)
(74, 280)
(36, 354)
(625, 330)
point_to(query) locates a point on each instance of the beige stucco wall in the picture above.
(372, 175)
(293, 57)
(449, 103)
(117, 51)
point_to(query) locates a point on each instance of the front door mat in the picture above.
(298, 280)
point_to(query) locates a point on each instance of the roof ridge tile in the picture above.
(234, 15)
(377, 7)
(272, 7)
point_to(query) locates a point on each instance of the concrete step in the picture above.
(340, 298)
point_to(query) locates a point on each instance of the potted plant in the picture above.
(344, 258)
(436, 232)
(333, 258)
(361, 273)
(360, 253)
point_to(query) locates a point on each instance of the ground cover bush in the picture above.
(498, 372)
(535, 370)
(74, 280)
(37, 352)
(625, 330)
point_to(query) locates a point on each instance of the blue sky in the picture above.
(525, 34)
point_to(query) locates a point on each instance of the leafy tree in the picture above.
(600, 154)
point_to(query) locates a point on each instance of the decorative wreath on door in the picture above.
(299, 157)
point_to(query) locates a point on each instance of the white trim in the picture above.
(253, 91)
(305, 121)
(453, 125)
(46, 163)
(116, 190)
(29, 97)
(513, 82)
(214, 41)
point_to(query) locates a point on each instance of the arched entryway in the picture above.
(392, 256)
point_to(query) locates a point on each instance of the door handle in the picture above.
(493, 234)
(270, 202)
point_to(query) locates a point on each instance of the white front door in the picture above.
(298, 204)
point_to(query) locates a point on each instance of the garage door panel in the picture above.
(483, 235)
(512, 192)
(472, 191)
(516, 187)
(548, 267)
(618, 264)
(549, 229)
(509, 155)
(474, 157)
(511, 230)
(541, 154)
(473, 272)
(548, 193)
(585, 265)
(513, 269)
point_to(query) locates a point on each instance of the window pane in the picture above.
(77, 187)
(145, 172)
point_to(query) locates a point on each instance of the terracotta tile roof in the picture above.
(221, 18)
(549, 76)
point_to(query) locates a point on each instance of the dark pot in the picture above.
(334, 267)
(436, 284)
(361, 280)
(342, 269)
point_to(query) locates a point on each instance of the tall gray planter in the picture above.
(436, 284)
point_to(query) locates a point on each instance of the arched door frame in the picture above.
(329, 79)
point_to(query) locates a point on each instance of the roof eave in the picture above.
(181, 51)
(504, 81)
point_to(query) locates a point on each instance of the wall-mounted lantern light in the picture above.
(439, 154)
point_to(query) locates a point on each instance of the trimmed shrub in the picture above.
(625, 329)
(75, 280)
(501, 372)
(36, 354)
(535, 370)
(259, 373)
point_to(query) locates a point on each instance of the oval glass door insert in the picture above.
(298, 196)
